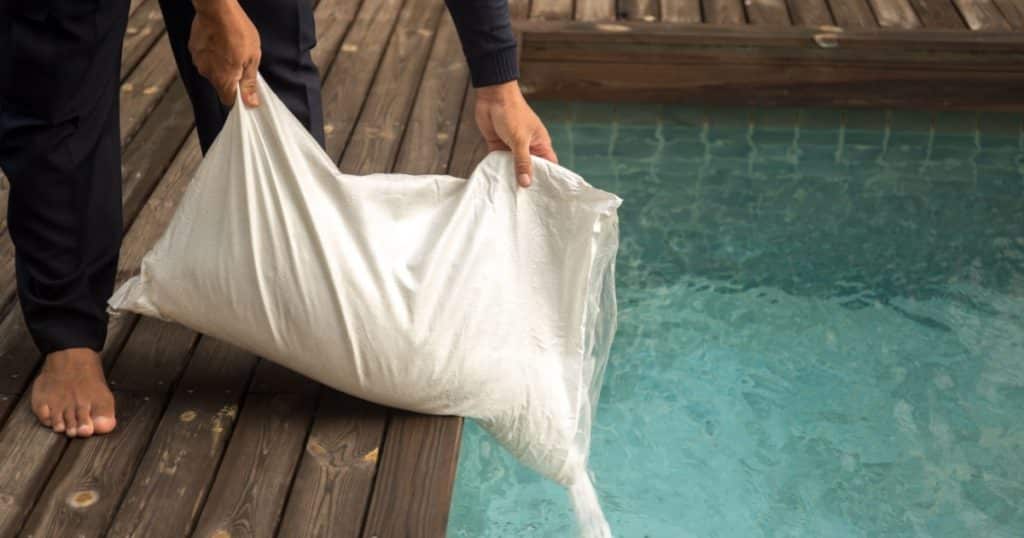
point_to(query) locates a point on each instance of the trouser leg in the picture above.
(60, 148)
(287, 34)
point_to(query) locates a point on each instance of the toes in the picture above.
(42, 412)
(58, 423)
(70, 421)
(83, 414)
(103, 419)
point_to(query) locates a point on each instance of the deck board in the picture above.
(982, 15)
(938, 14)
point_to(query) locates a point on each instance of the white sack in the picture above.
(429, 293)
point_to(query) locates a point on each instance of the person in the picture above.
(59, 146)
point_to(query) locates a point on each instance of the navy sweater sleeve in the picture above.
(485, 29)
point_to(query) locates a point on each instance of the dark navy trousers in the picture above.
(60, 145)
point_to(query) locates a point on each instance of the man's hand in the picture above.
(508, 123)
(225, 48)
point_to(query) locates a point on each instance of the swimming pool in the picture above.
(821, 329)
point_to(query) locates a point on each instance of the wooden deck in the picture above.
(215, 442)
(966, 54)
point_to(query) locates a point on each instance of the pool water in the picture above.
(821, 329)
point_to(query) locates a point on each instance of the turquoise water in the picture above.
(821, 329)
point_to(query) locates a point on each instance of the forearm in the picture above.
(485, 29)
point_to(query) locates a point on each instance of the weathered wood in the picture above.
(520, 9)
(810, 12)
(28, 452)
(724, 12)
(168, 490)
(430, 131)
(252, 483)
(87, 485)
(895, 14)
(349, 78)
(981, 15)
(638, 10)
(938, 14)
(145, 25)
(143, 89)
(414, 482)
(773, 12)
(470, 147)
(333, 20)
(853, 14)
(680, 63)
(680, 11)
(595, 10)
(1013, 11)
(330, 491)
(376, 138)
(551, 9)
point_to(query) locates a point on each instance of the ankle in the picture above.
(72, 355)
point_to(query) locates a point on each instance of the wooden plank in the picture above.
(771, 12)
(810, 12)
(638, 10)
(895, 14)
(855, 14)
(90, 479)
(143, 89)
(145, 25)
(417, 472)
(595, 10)
(252, 484)
(551, 9)
(92, 475)
(520, 9)
(1013, 12)
(686, 63)
(724, 12)
(331, 487)
(171, 483)
(981, 15)
(938, 14)
(680, 11)
(470, 147)
(28, 452)
(253, 481)
(375, 141)
(430, 131)
(349, 78)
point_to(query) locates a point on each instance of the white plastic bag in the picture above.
(429, 293)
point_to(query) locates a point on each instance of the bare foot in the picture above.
(70, 394)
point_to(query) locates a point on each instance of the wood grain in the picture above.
(773, 12)
(145, 87)
(724, 12)
(1013, 12)
(895, 14)
(417, 472)
(595, 10)
(810, 12)
(90, 479)
(470, 147)
(332, 486)
(28, 453)
(169, 488)
(853, 14)
(145, 26)
(551, 9)
(376, 138)
(938, 14)
(430, 130)
(981, 15)
(248, 496)
(638, 10)
(349, 78)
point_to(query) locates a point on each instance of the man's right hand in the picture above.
(225, 48)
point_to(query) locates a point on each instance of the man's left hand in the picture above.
(508, 123)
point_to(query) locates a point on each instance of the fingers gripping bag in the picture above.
(429, 293)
